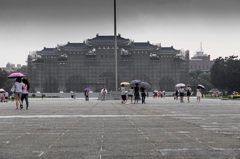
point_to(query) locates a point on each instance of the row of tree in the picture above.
(5, 82)
(224, 75)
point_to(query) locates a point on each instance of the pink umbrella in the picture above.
(15, 75)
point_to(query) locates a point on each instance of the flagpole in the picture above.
(115, 45)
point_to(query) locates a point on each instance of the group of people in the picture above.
(180, 92)
(133, 92)
(4, 97)
(159, 94)
(20, 90)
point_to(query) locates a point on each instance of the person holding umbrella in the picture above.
(136, 93)
(123, 94)
(181, 91)
(198, 93)
(18, 91)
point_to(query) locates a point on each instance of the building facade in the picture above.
(200, 61)
(75, 66)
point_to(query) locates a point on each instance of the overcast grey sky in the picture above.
(30, 25)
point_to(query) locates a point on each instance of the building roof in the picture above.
(74, 45)
(168, 50)
(108, 39)
(143, 45)
(47, 51)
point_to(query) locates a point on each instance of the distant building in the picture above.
(75, 66)
(200, 61)
(11, 67)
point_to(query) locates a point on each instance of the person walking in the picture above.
(123, 94)
(130, 94)
(164, 93)
(143, 94)
(26, 87)
(6, 96)
(181, 91)
(198, 94)
(189, 91)
(176, 94)
(86, 94)
(18, 91)
(104, 93)
(136, 94)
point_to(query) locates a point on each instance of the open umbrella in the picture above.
(16, 75)
(135, 81)
(87, 89)
(2, 90)
(201, 86)
(145, 85)
(180, 85)
(124, 83)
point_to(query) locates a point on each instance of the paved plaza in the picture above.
(64, 128)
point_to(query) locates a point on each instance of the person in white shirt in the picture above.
(123, 94)
(18, 91)
(199, 94)
(130, 94)
(104, 93)
(181, 91)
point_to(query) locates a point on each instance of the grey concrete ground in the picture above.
(162, 128)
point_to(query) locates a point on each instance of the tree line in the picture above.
(5, 82)
(223, 75)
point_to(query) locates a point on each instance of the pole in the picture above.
(115, 45)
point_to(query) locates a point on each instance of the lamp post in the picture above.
(115, 45)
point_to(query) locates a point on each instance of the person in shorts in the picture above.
(123, 94)
(18, 91)
(181, 93)
(189, 91)
(130, 94)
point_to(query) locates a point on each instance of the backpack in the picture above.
(104, 92)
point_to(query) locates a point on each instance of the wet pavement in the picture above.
(60, 128)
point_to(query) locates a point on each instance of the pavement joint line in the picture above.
(164, 151)
(41, 154)
(115, 116)
(224, 149)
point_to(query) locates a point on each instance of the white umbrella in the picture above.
(201, 86)
(2, 90)
(180, 85)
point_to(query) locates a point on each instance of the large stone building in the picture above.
(75, 66)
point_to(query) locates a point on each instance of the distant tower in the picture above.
(200, 61)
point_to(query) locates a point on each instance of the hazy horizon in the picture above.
(29, 25)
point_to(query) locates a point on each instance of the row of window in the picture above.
(200, 67)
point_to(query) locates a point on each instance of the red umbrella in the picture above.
(16, 75)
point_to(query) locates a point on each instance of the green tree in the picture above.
(5, 82)
(225, 73)
(23, 70)
(200, 77)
